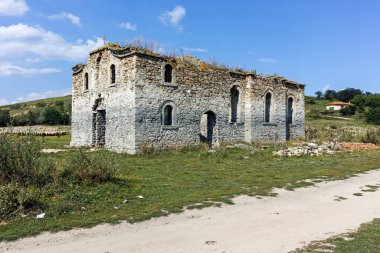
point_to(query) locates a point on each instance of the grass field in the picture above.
(173, 180)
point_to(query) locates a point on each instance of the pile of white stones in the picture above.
(311, 149)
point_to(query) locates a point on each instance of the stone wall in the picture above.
(194, 91)
(117, 100)
(134, 105)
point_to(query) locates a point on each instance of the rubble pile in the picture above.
(311, 149)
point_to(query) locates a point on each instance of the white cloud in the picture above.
(12, 70)
(66, 16)
(128, 26)
(13, 7)
(41, 95)
(173, 17)
(3, 101)
(22, 41)
(327, 87)
(198, 50)
(268, 61)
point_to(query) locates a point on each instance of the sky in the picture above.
(325, 44)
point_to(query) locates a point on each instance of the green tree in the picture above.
(348, 94)
(359, 101)
(59, 105)
(4, 117)
(319, 94)
(329, 94)
(373, 116)
(348, 110)
(51, 116)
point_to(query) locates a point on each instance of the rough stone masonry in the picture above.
(127, 99)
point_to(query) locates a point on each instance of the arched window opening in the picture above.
(168, 115)
(113, 74)
(98, 61)
(268, 103)
(234, 104)
(86, 81)
(290, 111)
(168, 73)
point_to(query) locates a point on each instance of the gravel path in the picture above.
(273, 224)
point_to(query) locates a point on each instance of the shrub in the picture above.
(328, 112)
(348, 110)
(14, 198)
(314, 114)
(51, 116)
(8, 199)
(21, 120)
(310, 100)
(41, 104)
(373, 116)
(4, 117)
(34, 117)
(15, 106)
(372, 136)
(21, 161)
(59, 105)
(89, 168)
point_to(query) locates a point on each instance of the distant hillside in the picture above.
(24, 107)
(50, 111)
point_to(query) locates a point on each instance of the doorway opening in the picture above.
(207, 128)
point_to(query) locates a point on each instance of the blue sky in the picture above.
(324, 44)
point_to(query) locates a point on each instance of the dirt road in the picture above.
(276, 224)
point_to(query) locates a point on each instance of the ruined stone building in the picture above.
(127, 98)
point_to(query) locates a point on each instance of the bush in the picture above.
(20, 120)
(21, 161)
(327, 112)
(89, 168)
(14, 198)
(15, 106)
(41, 104)
(373, 116)
(348, 110)
(4, 118)
(314, 114)
(59, 105)
(51, 116)
(34, 117)
(310, 100)
(372, 136)
(8, 199)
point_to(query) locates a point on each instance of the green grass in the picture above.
(320, 105)
(172, 180)
(365, 240)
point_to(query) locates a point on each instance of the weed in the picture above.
(21, 161)
(85, 167)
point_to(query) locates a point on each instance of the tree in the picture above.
(330, 94)
(373, 116)
(373, 100)
(348, 110)
(51, 116)
(348, 94)
(319, 94)
(359, 101)
(4, 117)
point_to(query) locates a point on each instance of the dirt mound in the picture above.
(356, 146)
